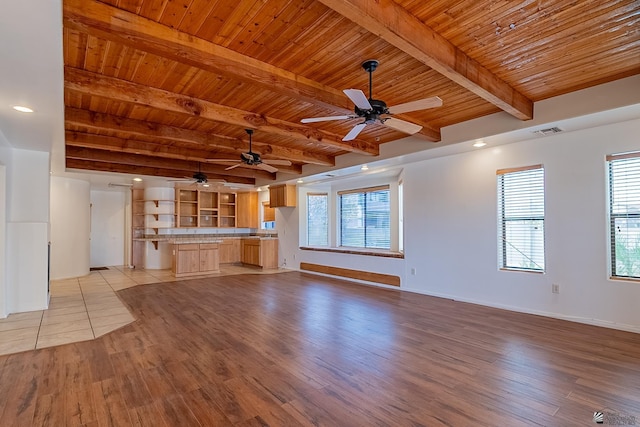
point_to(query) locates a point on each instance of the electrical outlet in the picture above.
(555, 288)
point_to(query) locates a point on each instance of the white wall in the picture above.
(70, 226)
(3, 239)
(27, 230)
(451, 230)
(107, 228)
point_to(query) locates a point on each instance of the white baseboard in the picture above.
(577, 319)
(585, 320)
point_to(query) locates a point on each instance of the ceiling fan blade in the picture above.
(420, 104)
(233, 166)
(354, 132)
(277, 162)
(326, 119)
(266, 167)
(402, 126)
(359, 98)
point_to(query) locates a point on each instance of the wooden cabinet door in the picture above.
(251, 252)
(187, 258)
(269, 253)
(281, 196)
(229, 251)
(247, 210)
(209, 260)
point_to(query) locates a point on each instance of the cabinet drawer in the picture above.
(208, 246)
(188, 247)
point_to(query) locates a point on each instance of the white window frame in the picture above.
(326, 196)
(627, 165)
(508, 246)
(363, 191)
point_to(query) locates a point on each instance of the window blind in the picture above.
(624, 214)
(317, 219)
(365, 218)
(521, 218)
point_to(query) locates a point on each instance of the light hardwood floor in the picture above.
(87, 307)
(296, 349)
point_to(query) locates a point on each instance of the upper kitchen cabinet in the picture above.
(247, 209)
(282, 196)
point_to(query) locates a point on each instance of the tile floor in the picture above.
(85, 308)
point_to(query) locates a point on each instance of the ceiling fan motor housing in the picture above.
(370, 116)
(251, 158)
(200, 177)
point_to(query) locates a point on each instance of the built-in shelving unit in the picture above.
(186, 208)
(227, 209)
(149, 216)
(202, 208)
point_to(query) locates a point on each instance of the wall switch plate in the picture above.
(555, 288)
(413, 271)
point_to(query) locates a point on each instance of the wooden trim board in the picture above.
(385, 279)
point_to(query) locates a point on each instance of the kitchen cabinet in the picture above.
(268, 213)
(282, 196)
(203, 208)
(247, 210)
(261, 252)
(229, 251)
(191, 259)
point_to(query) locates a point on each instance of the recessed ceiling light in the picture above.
(364, 168)
(259, 189)
(300, 181)
(137, 179)
(205, 185)
(479, 144)
(22, 109)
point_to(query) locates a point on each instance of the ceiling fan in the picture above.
(253, 159)
(371, 109)
(198, 179)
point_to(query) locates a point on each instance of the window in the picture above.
(317, 219)
(268, 217)
(364, 218)
(521, 218)
(624, 214)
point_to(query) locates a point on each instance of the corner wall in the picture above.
(70, 227)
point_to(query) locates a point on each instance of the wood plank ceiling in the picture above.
(158, 87)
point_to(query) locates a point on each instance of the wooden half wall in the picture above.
(385, 279)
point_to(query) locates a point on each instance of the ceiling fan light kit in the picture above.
(376, 111)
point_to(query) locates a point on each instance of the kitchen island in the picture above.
(202, 254)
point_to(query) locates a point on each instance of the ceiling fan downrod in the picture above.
(370, 66)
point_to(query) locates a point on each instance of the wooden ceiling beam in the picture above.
(120, 26)
(102, 142)
(110, 23)
(105, 122)
(94, 84)
(134, 161)
(93, 166)
(394, 24)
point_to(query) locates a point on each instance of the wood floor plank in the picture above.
(303, 350)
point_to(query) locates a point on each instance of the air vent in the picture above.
(548, 131)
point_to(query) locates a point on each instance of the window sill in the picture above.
(521, 270)
(625, 279)
(355, 251)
